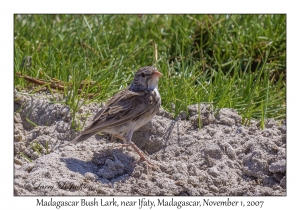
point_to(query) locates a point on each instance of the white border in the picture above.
(153, 6)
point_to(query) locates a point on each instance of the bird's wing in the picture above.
(123, 107)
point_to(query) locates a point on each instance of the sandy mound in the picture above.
(222, 158)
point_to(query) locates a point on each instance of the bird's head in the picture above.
(146, 78)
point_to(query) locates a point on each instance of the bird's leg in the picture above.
(128, 142)
(122, 138)
(136, 149)
(119, 137)
(112, 137)
(141, 154)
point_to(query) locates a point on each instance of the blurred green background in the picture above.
(233, 61)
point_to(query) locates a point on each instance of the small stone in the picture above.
(279, 166)
(213, 171)
(183, 115)
(18, 161)
(269, 123)
(90, 176)
(213, 188)
(29, 186)
(29, 167)
(283, 182)
(213, 151)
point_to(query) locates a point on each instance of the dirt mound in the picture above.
(222, 158)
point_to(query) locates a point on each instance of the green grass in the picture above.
(233, 61)
(25, 156)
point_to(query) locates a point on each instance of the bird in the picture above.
(128, 110)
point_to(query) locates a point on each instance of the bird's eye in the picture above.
(143, 75)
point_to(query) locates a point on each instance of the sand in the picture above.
(223, 157)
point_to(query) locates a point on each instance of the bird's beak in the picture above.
(157, 74)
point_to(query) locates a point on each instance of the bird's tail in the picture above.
(81, 137)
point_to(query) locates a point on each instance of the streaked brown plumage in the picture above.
(128, 110)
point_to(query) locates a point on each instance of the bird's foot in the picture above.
(112, 137)
(141, 160)
(123, 145)
(141, 154)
